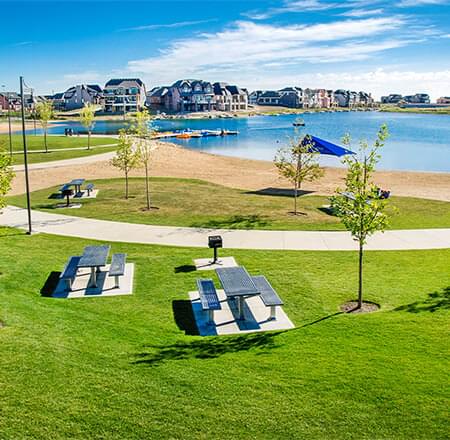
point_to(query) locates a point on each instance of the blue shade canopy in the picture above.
(324, 147)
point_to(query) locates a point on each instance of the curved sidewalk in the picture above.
(100, 157)
(233, 239)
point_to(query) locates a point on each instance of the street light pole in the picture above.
(25, 157)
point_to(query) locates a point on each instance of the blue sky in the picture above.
(375, 45)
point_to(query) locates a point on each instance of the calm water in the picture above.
(417, 142)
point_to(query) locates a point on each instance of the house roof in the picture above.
(119, 81)
(271, 94)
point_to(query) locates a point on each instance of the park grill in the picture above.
(215, 242)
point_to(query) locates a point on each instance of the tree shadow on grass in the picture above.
(50, 284)
(280, 192)
(206, 348)
(235, 222)
(439, 300)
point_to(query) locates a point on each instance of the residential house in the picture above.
(124, 95)
(418, 98)
(77, 96)
(270, 97)
(254, 96)
(443, 100)
(11, 100)
(394, 98)
(190, 95)
(157, 98)
(229, 97)
(291, 97)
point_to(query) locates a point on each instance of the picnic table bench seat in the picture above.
(65, 187)
(268, 295)
(70, 271)
(208, 297)
(89, 188)
(117, 267)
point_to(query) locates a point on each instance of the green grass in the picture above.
(36, 143)
(123, 367)
(187, 202)
(430, 111)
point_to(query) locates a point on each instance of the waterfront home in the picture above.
(418, 98)
(229, 98)
(124, 95)
(443, 100)
(269, 97)
(77, 96)
(190, 95)
(157, 98)
(393, 98)
(254, 96)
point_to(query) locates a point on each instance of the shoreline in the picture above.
(171, 160)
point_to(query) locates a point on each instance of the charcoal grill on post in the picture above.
(67, 193)
(215, 242)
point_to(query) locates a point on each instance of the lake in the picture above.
(417, 142)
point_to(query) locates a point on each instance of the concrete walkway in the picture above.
(101, 157)
(233, 239)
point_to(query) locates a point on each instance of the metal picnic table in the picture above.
(94, 257)
(77, 184)
(237, 283)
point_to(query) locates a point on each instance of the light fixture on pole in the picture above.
(25, 157)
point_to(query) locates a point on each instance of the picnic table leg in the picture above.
(241, 308)
(94, 277)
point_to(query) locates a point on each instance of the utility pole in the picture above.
(25, 157)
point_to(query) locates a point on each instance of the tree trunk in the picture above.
(295, 199)
(89, 139)
(146, 186)
(45, 140)
(360, 283)
(126, 184)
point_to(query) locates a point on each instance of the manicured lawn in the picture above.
(36, 143)
(123, 367)
(183, 202)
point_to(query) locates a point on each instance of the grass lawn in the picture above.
(124, 367)
(36, 143)
(187, 202)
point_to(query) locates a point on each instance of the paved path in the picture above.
(67, 162)
(235, 239)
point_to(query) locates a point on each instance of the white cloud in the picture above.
(362, 12)
(248, 45)
(179, 24)
(292, 6)
(413, 3)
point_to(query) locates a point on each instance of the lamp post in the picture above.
(25, 157)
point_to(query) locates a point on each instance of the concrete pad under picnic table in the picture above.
(207, 264)
(226, 320)
(105, 284)
(83, 194)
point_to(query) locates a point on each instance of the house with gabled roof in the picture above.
(122, 95)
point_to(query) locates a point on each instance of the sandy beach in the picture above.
(173, 161)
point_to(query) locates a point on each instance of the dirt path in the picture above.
(173, 161)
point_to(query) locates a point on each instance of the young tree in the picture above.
(359, 206)
(126, 157)
(298, 163)
(44, 111)
(6, 175)
(87, 116)
(143, 132)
